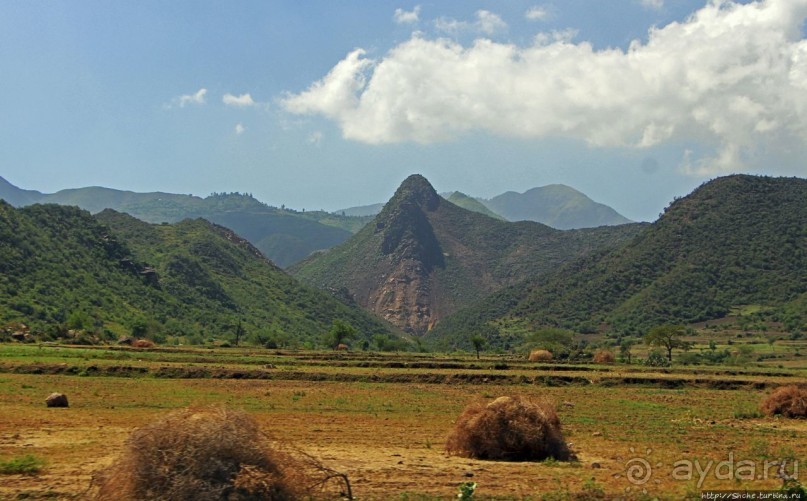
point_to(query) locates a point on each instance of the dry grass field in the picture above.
(638, 433)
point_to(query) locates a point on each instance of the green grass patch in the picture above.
(22, 465)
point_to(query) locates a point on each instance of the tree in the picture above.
(478, 342)
(340, 332)
(558, 341)
(666, 336)
(624, 349)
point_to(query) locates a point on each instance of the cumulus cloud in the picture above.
(486, 22)
(242, 101)
(196, 98)
(240, 129)
(407, 17)
(732, 78)
(538, 13)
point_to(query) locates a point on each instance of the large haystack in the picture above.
(788, 401)
(509, 429)
(201, 454)
(540, 356)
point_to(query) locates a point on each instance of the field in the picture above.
(639, 433)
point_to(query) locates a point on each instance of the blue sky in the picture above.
(324, 105)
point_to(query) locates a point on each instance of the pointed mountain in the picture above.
(422, 258)
(736, 241)
(555, 205)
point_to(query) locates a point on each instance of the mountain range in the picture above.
(423, 258)
(284, 236)
(556, 205)
(113, 275)
(735, 242)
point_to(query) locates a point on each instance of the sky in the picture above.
(324, 105)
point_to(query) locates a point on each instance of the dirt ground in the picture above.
(389, 438)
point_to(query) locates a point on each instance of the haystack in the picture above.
(540, 356)
(509, 429)
(142, 343)
(201, 454)
(788, 401)
(604, 357)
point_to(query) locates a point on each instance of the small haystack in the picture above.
(540, 356)
(604, 357)
(788, 401)
(142, 343)
(57, 400)
(509, 429)
(201, 454)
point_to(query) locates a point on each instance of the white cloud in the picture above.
(196, 98)
(652, 4)
(242, 101)
(407, 17)
(240, 129)
(731, 78)
(537, 13)
(486, 22)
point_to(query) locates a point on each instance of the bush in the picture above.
(201, 454)
(656, 359)
(540, 356)
(604, 357)
(509, 429)
(788, 401)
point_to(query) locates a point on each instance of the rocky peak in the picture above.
(416, 190)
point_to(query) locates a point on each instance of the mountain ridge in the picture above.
(285, 236)
(734, 241)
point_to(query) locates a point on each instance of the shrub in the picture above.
(540, 356)
(509, 429)
(788, 401)
(604, 357)
(201, 454)
(656, 359)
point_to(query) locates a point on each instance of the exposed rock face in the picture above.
(56, 400)
(403, 295)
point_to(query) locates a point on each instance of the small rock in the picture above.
(568, 404)
(596, 466)
(57, 400)
(468, 474)
(596, 434)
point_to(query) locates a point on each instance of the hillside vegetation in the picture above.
(735, 241)
(112, 275)
(423, 258)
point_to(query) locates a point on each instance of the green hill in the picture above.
(423, 258)
(735, 241)
(472, 204)
(555, 205)
(113, 275)
(284, 236)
